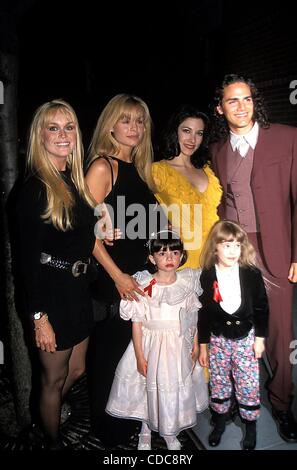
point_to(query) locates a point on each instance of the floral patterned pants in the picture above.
(234, 357)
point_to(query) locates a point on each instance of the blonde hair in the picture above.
(227, 230)
(60, 200)
(103, 142)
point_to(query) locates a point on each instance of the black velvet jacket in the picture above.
(253, 311)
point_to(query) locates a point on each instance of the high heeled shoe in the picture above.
(57, 445)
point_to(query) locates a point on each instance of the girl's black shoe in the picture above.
(249, 441)
(220, 424)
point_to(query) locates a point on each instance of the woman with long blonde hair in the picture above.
(119, 175)
(56, 221)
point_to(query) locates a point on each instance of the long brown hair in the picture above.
(226, 230)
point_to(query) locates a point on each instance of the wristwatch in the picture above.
(37, 315)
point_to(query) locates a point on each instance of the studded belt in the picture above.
(77, 268)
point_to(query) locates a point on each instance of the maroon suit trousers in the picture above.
(280, 299)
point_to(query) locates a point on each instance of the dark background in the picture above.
(166, 52)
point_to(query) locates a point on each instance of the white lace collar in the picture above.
(186, 282)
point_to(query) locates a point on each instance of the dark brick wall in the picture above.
(262, 44)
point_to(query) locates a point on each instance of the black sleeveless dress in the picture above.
(110, 338)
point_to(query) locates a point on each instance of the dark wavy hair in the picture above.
(219, 125)
(170, 147)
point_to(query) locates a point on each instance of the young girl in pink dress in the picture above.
(158, 380)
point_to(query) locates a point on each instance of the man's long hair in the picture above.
(219, 128)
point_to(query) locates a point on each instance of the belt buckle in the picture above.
(76, 266)
(45, 258)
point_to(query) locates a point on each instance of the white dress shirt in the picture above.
(229, 287)
(243, 142)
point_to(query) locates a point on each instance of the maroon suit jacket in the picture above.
(274, 186)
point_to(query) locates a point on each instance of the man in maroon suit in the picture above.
(256, 163)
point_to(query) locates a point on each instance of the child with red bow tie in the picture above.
(233, 322)
(158, 380)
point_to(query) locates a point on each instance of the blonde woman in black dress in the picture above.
(120, 152)
(55, 219)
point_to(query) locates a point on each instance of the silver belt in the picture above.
(77, 268)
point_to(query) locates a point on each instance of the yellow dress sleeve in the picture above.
(158, 174)
(211, 202)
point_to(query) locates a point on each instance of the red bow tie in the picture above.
(216, 294)
(149, 288)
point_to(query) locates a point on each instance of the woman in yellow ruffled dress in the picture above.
(186, 185)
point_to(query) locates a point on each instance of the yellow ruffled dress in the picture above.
(191, 211)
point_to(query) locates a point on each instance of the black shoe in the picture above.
(57, 445)
(286, 424)
(249, 441)
(215, 436)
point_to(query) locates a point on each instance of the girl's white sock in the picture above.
(144, 442)
(172, 443)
